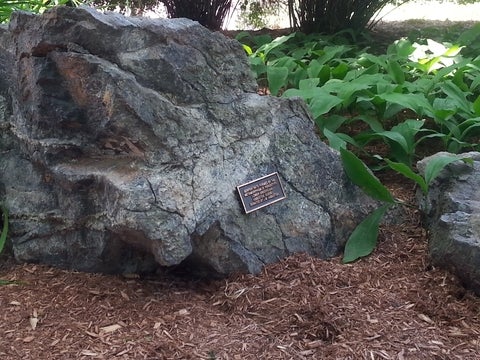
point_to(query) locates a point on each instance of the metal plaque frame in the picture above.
(261, 192)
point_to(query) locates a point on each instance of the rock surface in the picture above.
(124, 140)
(452, 210)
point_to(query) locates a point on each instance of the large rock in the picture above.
(125, 138)
(452, 210)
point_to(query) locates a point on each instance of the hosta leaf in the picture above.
(415, 102)
(333, 122)
(324, 74)
(323, 104)
(268, 47)
(397, 137)
(364, 238)
(360, 175)
(475, 83)
(403, 48)
(276, 77)
(3, 234)
(469, 125)
(409, 173)
(338, 141)
(340, 70)
(314, 68)
(308, 83)
(476, 106)
(456, 94)
(374, 124)
(409, 130)
(258, 66)
(305, 94)
(437, 164)
(470, 35)
(247, 49)
(395, 71)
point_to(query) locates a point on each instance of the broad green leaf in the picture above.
(299, 53)
(453, 127)
(452, 51)
(334, 141)
(262, 40)
(324, 74)
(296, 76)
(448, 70)
(415, 102)
(306, 94)
(338, 141)
(403, 48)
(323, 104)
(470, 35)
(247, 49)
(409, 130)
(391, 110)
(383, 86)
(476, 81)
(372, 59)
(364, 238)
(374, 124)
(469, 125)
(348, 91)
(409, 173)
(3, 235)
(242, 35)
(371, 70)
(333, 122)
(268, 47)
(397, 137)
(360, 175)
(276, 77)
(310, 83)
(314, 68)
(458, 79)
(442, 114)
(476, 106)
(395, 71)
(258, 66)
(456, 94)
(340, 70)
(437, 164)
(330, 52)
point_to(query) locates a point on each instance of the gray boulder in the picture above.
(452, 210)
(125, 138)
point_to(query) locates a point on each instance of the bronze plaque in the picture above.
(261, 192)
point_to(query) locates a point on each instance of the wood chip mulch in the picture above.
(390, 305)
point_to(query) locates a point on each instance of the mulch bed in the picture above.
(390, 305)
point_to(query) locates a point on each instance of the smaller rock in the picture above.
(452, 210)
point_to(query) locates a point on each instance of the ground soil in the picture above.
(390, 305)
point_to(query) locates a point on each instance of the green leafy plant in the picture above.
(3, 234)
(421, 96)
(7, 7)
(3, 239)
(413, 95)
(363, 239)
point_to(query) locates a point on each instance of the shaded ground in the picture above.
(391, 305)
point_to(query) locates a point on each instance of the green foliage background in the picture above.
(35, 6)
(418, 97)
